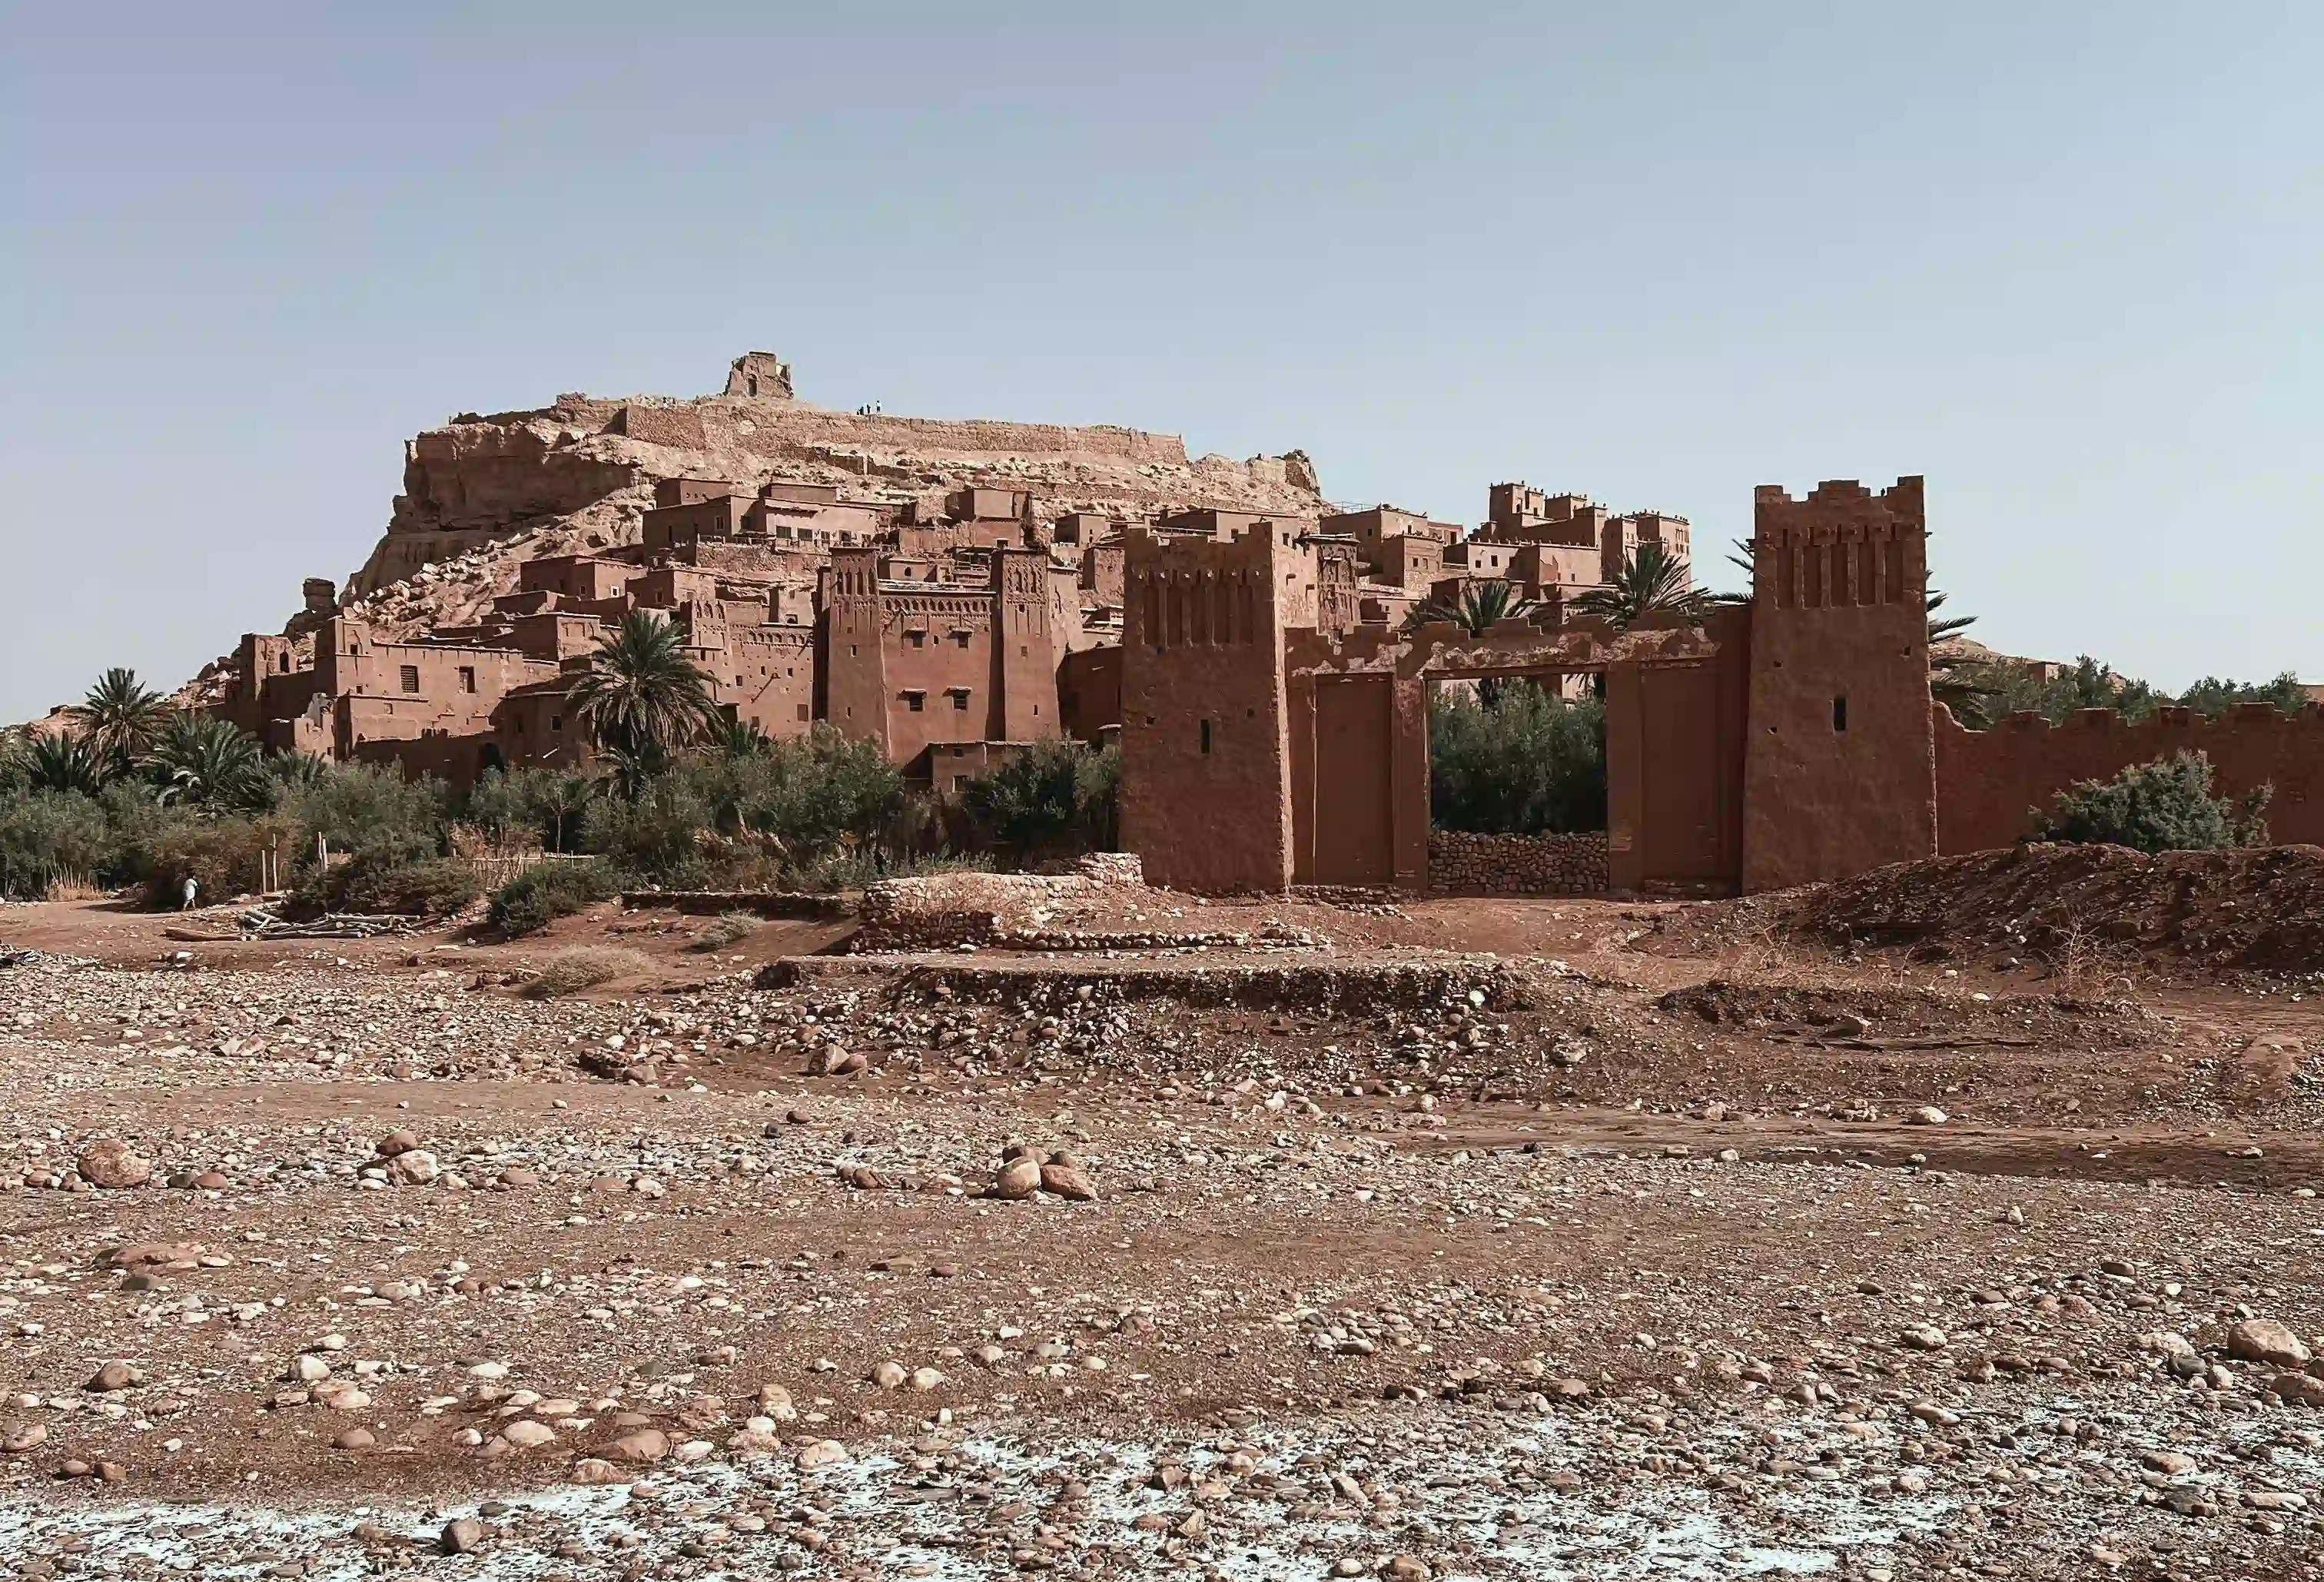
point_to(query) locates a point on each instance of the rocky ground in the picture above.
(1541, 1239)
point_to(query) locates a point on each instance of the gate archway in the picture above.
(1676, 703)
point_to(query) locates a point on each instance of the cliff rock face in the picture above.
(484, 493)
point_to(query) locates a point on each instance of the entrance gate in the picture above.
(1676, 700)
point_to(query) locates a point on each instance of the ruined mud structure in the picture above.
(955, 589)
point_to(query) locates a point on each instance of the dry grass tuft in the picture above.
(731, 929)
(584, 967)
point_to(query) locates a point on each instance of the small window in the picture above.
(1206, 738)
(959, 696)
(916, 639)
(410, 675)
(556, 722)
(915, 701)
(1839, 714)
(960, 637)
(467, 678)
(802, 708)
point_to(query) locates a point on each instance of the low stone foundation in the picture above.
(939, 911)
(1460, 863)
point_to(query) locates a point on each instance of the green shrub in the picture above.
(376, 884)
(2164, 806)
(2000, 687)
(48, 836)
(1055, 798)
(851, 869)
(366, 811)
(545, 804)
(2212, 696)
(811, 794)
(1530, 763)
(547, 891)
(221, 856)
(656, 835)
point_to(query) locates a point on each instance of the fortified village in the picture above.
(954, 590)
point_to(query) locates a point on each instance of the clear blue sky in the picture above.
(2062, 259)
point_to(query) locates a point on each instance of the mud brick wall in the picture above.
(1460, 863)
(1989, 783)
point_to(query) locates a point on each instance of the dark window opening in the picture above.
(410, 675)
(467, 678)
(1206, 737)
(1839, 714)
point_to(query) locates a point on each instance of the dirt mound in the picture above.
(2260, 911)
(1869, 1017)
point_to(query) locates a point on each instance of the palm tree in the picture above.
(1480, 604)
(120, 718)
(641, 697)
(210, 764)
(58, 763)
(1652, 582)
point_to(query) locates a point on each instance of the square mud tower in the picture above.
(1840, 774)
(1205, 763)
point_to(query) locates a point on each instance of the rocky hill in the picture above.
(484, 493)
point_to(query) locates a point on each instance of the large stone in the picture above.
(112, 1376)
(822, 1453)
(110, 1163)
(2265, 1340)
(1069, 1181)
(414, 1167)
(1019, 1178)
(643, 1445)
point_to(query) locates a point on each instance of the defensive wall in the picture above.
(1991, 782)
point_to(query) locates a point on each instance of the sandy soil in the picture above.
(1459, 1238)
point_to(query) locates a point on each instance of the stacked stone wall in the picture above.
(1462, 864)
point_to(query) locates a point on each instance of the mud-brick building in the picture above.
(911, 662)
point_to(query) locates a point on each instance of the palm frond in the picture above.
(1476, 608)
(210, 764)
(120, 717)
(1651, 582)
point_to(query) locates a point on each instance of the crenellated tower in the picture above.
(1839, 769)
